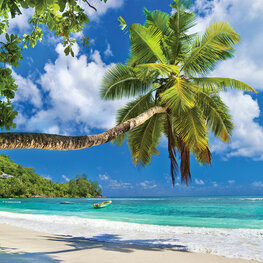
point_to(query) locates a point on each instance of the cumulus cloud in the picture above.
(21, 22)
(148, 184)
(200, 182)
(72, 86)
(27, 91)
(247, 139)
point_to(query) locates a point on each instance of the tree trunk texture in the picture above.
(17, 140)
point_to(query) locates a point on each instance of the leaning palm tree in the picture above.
(168, 67)
(167, 73)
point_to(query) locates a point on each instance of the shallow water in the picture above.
(212, 212)
(227, 226)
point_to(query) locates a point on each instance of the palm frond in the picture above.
(190, 126)
(222, 84)
(204, 156)
(178, 40)
(157, 19)
(185, 161)
(216, 114)
(157, 68)
(145, 44)
(215, 45)
(121, 80)
(171, 148)
(179, 96)
(131, 110)
(144, 139)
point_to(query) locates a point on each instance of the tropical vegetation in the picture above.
(169, 66)
(22, 182)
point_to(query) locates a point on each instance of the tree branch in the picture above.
(13, 140)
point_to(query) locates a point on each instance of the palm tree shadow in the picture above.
(74, 244)
(113, 243)
(13, 256)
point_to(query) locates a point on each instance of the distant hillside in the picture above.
(18, 181)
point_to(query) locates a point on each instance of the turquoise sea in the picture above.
(215, 212)
(228, 226)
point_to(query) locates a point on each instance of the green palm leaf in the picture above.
(213, 83)
(190, 126)
(156, 68)
(121, 81)
(131, 110)
(144, 139)
(178, 41)
(145, 44)
(157, 19)
(179, 96)
(215, 45)
(217, 115)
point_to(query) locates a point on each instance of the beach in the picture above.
(229, 227)
(23, 245)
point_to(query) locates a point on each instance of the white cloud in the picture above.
(101, 7)
(215, 184)
(65, 178)
(72, 86)
(200, 182)
(247, 139)
(148, 184)
(104, 177)
(231, 181)
(21, 22)
(108, 52)
(257, 184)
(27, 91)
(108, 182)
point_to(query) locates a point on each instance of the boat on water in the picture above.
(103, 204)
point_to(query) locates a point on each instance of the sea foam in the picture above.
(234, 243)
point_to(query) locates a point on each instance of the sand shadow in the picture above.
(8, 255)
(114, 243)
(74, 244)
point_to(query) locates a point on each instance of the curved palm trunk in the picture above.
(13, 140)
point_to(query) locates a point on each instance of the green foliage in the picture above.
(26, 183)
(62, 17)
(121, 80)
(174, 64)
(143, 140)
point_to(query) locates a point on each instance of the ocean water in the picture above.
(227, 226)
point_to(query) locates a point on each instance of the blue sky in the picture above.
(59, 94)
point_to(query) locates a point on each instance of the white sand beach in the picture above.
(22, 245)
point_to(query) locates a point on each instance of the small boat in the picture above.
(103, 204)
(67, 203)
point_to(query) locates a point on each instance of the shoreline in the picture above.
(226, 243)
(22, 245)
